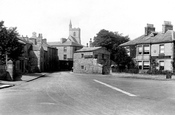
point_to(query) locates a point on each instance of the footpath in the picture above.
(25, 78)
(142, 76)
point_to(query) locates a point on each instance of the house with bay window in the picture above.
(152, 45)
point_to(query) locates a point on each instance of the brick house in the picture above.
(92, 60)
(157, 46)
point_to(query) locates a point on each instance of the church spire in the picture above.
(70, 25)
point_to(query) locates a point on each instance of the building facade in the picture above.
(94, 60)
(153, 48)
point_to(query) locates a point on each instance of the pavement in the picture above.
(142, 76)
(25, 78)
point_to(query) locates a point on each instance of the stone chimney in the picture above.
(44, 41)
(34, 35)
(149, 29)
(167, 26)
(86, 44)
(63, 40)
(40, 35)
(90, 42)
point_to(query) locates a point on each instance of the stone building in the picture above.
(153, 46)
(92, 60)
(42, 57)
(67, 47)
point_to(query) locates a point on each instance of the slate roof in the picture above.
(54, 43)
(73, 39)
(156, 37)
(88, 49)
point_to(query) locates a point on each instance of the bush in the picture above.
(135, 70)
(158, 72)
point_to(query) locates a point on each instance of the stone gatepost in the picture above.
(10, 68)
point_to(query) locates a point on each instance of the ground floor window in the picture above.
(82, 67)
(140, 64)
(161, 63)
(146, 65)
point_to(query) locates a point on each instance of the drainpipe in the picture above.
(173, 50)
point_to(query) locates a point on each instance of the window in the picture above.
(74, 33)
(161, 63)
(82, 55)
(162, 48)
(65, 57)
(140, 64)
(82, 67)
(96, 56)
(140, 49)
(146, 49)
(146, 65)
(65, 49)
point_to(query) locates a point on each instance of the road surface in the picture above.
(66, 93)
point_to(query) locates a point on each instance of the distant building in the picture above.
(67, 47)
(157, 46)
(92, 60)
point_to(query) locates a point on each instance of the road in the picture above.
(65, 93)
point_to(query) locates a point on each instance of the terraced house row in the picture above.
(152, 45)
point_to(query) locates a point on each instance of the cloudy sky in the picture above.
(52, 17)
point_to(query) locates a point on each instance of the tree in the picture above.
(10, 47)
(111, 41)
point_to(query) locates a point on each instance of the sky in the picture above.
(52, 17)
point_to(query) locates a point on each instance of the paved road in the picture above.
(77, 94)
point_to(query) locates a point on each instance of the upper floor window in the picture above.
(146, 49)
(161, 64)
(162, 49)
(74, 34)
(140, 49)
(65, 49)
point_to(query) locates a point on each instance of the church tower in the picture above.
(74, 34)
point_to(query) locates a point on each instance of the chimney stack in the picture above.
(40, 35)
(167, 26)
(149, 29)
(44, 41)
(34, 35)
(90, 42)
